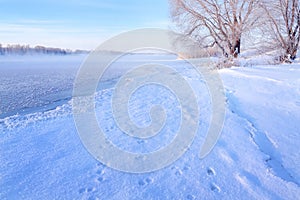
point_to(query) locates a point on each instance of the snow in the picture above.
(42, 157)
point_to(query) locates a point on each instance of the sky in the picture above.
(76, 24)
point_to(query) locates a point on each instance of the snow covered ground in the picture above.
(42, 157)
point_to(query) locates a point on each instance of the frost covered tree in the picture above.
(216, 22)
(283, 20)
(1, 50)
(17, 49)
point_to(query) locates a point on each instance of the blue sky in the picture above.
(76, 24)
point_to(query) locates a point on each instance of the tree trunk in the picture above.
(291, 52)
(235, 49)
(294, 54)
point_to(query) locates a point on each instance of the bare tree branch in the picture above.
(284, 18)
(223, 21)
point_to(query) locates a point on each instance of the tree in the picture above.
(216, 22)
(17, 49)
(1, 50)
(284, 22)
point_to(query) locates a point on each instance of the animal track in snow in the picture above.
(81, 190)
(214, 187)
(100, 179)
(211, 172)
(178, 172)
(86, 190)
(146, 181)
(190, 197)
(186, 167)
(99, 172)
(100, 175)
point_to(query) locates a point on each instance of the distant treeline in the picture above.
(18, 49)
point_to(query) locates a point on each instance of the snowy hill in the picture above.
(42, 157)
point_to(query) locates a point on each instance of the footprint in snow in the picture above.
(100, 179)
(178, 172)
(186, 167)
(100, 175)
(214, 187)
(90, 189)
(81, 190)
(100, 172)
(211, 172)
(86, 190)
(145, 181)
(190, 197)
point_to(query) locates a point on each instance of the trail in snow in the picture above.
(274, 160)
